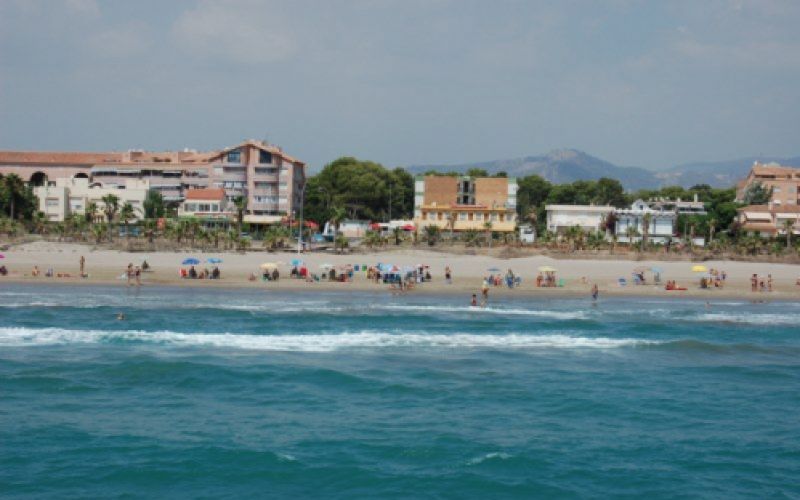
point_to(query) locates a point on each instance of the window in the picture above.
(234, 156)
(190, 207)
(215, 207)
(266, 171)
(264, 156)
(470, 216)
(52, 202)
(478, 217)
(502, 217)
(439, 215)
(462, 216)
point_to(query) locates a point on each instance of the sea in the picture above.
(254, 393)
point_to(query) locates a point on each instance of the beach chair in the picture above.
(622, 282)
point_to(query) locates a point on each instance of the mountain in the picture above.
(569, 165)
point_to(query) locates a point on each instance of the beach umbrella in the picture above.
(269, 265)
(2, 256)
(191, 261)
(326, 266)
(656, 269)
(297, 262)
(408, 227)
(699, 269)
(385, 267)
(547, 269)
(493, 270)
(214, 260)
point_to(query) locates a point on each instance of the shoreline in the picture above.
(105, 266)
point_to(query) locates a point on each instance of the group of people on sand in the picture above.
(759, 284)
(192, 273)
(134, 275)
(715, 279)
(546, 279)
(510, 279)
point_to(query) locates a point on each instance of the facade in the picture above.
(589, 218)
(784, 182)
(660, 229)
(64, 196)
(207, 204)
(769, 220)
(465, 203)
(268, 178)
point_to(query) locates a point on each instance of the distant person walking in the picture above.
(83, 266)
(485, 293)
(448, 275)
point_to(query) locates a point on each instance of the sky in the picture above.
(404, 82)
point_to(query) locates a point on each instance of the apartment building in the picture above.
(769, 220)
(465, 203)
(784, 182)
(65, 196)
(270, 180)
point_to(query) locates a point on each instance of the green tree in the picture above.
(477, 172)
(153, 205)
(788, 227)
(757, 194)
(110, 206)
(431, 234)
(240, 202)
(127, 214)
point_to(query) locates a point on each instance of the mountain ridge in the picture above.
(569, 165)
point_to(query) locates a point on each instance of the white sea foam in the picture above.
(495, 455)
(488, 310)
(751, 319)
(313, 343)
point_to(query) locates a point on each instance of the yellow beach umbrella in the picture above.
(269, 265)
(547, 269)
(699, 269)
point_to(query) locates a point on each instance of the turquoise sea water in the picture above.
(207, 393)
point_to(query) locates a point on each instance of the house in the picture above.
(589, 218)
(784, 182)
(209, 205)
(769, 220)
(65, 197)
(660, 228)
(465, 203)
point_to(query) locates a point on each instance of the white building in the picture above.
(64, 197)
(207, 204)
(589, 218)
(660, 228)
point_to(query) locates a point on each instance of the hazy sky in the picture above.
(650, 83)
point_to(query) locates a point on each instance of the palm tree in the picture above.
(241, 205)
(14, 189)
(431, 234)
(397, 232)
(712, 228)
(646, 220)
(126, 214)
(110, 206)
(337, 216)
(97, 232)
(788, 226)
(373, 239)
(40, 222)
(488, 227)
(91, 212)
(340, 242)
(451, 224)
(631, 232)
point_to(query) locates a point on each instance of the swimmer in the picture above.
(120, 316)
(474, 302)
(595, 292)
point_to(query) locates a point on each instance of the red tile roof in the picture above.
(205, 194)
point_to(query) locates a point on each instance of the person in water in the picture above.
(120, 316)
(595, 292)
(474, 302)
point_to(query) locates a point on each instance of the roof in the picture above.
(581, 208)
(763, 227)
(773, 169)
(205, 194)
(59, 157)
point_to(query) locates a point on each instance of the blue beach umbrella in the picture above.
(191, 261)
(297, 262)
(214, 260)
(493, 270)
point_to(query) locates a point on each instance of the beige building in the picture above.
(64, 197)
(769, 220)
(784, 182)
(465, 203)
(207, 204)
(270, 180)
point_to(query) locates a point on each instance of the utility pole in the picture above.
(390, 202)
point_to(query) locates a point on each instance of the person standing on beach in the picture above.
(129, 273)
(448, 275)
(595, 292)
(83, 265)
(769, 282)
(485, 293)
(138, 274)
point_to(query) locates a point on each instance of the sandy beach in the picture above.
(106, 266)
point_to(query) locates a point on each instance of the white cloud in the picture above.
(241, 31)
